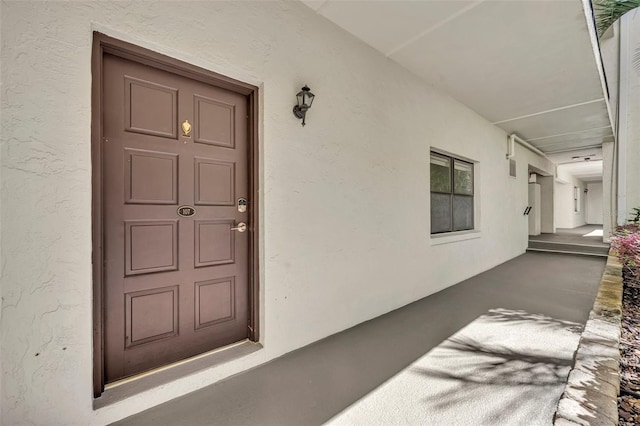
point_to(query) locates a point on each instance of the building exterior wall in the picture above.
(619, 53)
(608, 190)
(594, 204)
(565, 214)
(534, 213)
(610, 50)
(345, 200)
(547, 219)
(631, 23)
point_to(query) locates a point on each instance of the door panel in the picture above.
(151, 177)
(216, 122)
(174, 286)
(214, 243)
(162, 119)
(223, 173)
(215, 302)
(151, 315)
(150, 246)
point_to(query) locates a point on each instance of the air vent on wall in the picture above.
(512, 167)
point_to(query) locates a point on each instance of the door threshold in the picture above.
(139, 376)
(133, 385)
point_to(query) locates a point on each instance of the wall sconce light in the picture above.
(305, 99)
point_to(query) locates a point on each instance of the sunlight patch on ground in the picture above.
(594, 233)
(505, 368)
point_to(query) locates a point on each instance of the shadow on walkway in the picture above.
(505, 368)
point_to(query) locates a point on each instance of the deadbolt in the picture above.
(242, 227)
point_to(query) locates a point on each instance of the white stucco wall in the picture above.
(631, 22)
(563, 200)
(608, 190)
(618, 55)
(534, 216)
(594, 203)
(547, 220)
(345, 214)
(610, 51)
(564, 213)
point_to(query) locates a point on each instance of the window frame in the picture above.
(452, 192)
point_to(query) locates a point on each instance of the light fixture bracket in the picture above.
(299, 112)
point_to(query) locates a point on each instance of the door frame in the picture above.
(103, 44)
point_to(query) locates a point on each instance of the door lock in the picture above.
(242, 227)
(242, 205)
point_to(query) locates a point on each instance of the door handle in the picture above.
(242, 227)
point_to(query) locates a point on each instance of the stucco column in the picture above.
(608, 191)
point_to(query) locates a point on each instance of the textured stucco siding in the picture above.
(345, 200)
(633, 114)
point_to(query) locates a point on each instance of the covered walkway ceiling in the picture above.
(527, 66)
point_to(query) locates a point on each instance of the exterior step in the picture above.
(530, 250)
(568, 248)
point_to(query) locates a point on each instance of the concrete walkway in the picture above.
(536, 298)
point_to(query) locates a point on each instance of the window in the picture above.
(451, 194)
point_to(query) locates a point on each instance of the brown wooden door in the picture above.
(174, 286)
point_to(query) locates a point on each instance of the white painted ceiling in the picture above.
(586, 171)
(584, 164)
(578, 156)
(527, 66)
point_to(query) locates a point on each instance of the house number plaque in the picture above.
(186, 211)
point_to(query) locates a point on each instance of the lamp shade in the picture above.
(305, 98)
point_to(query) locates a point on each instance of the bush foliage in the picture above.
(626, 242)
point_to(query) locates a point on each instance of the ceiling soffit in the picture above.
(527, 66)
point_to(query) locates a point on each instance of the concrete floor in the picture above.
(312, 385)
